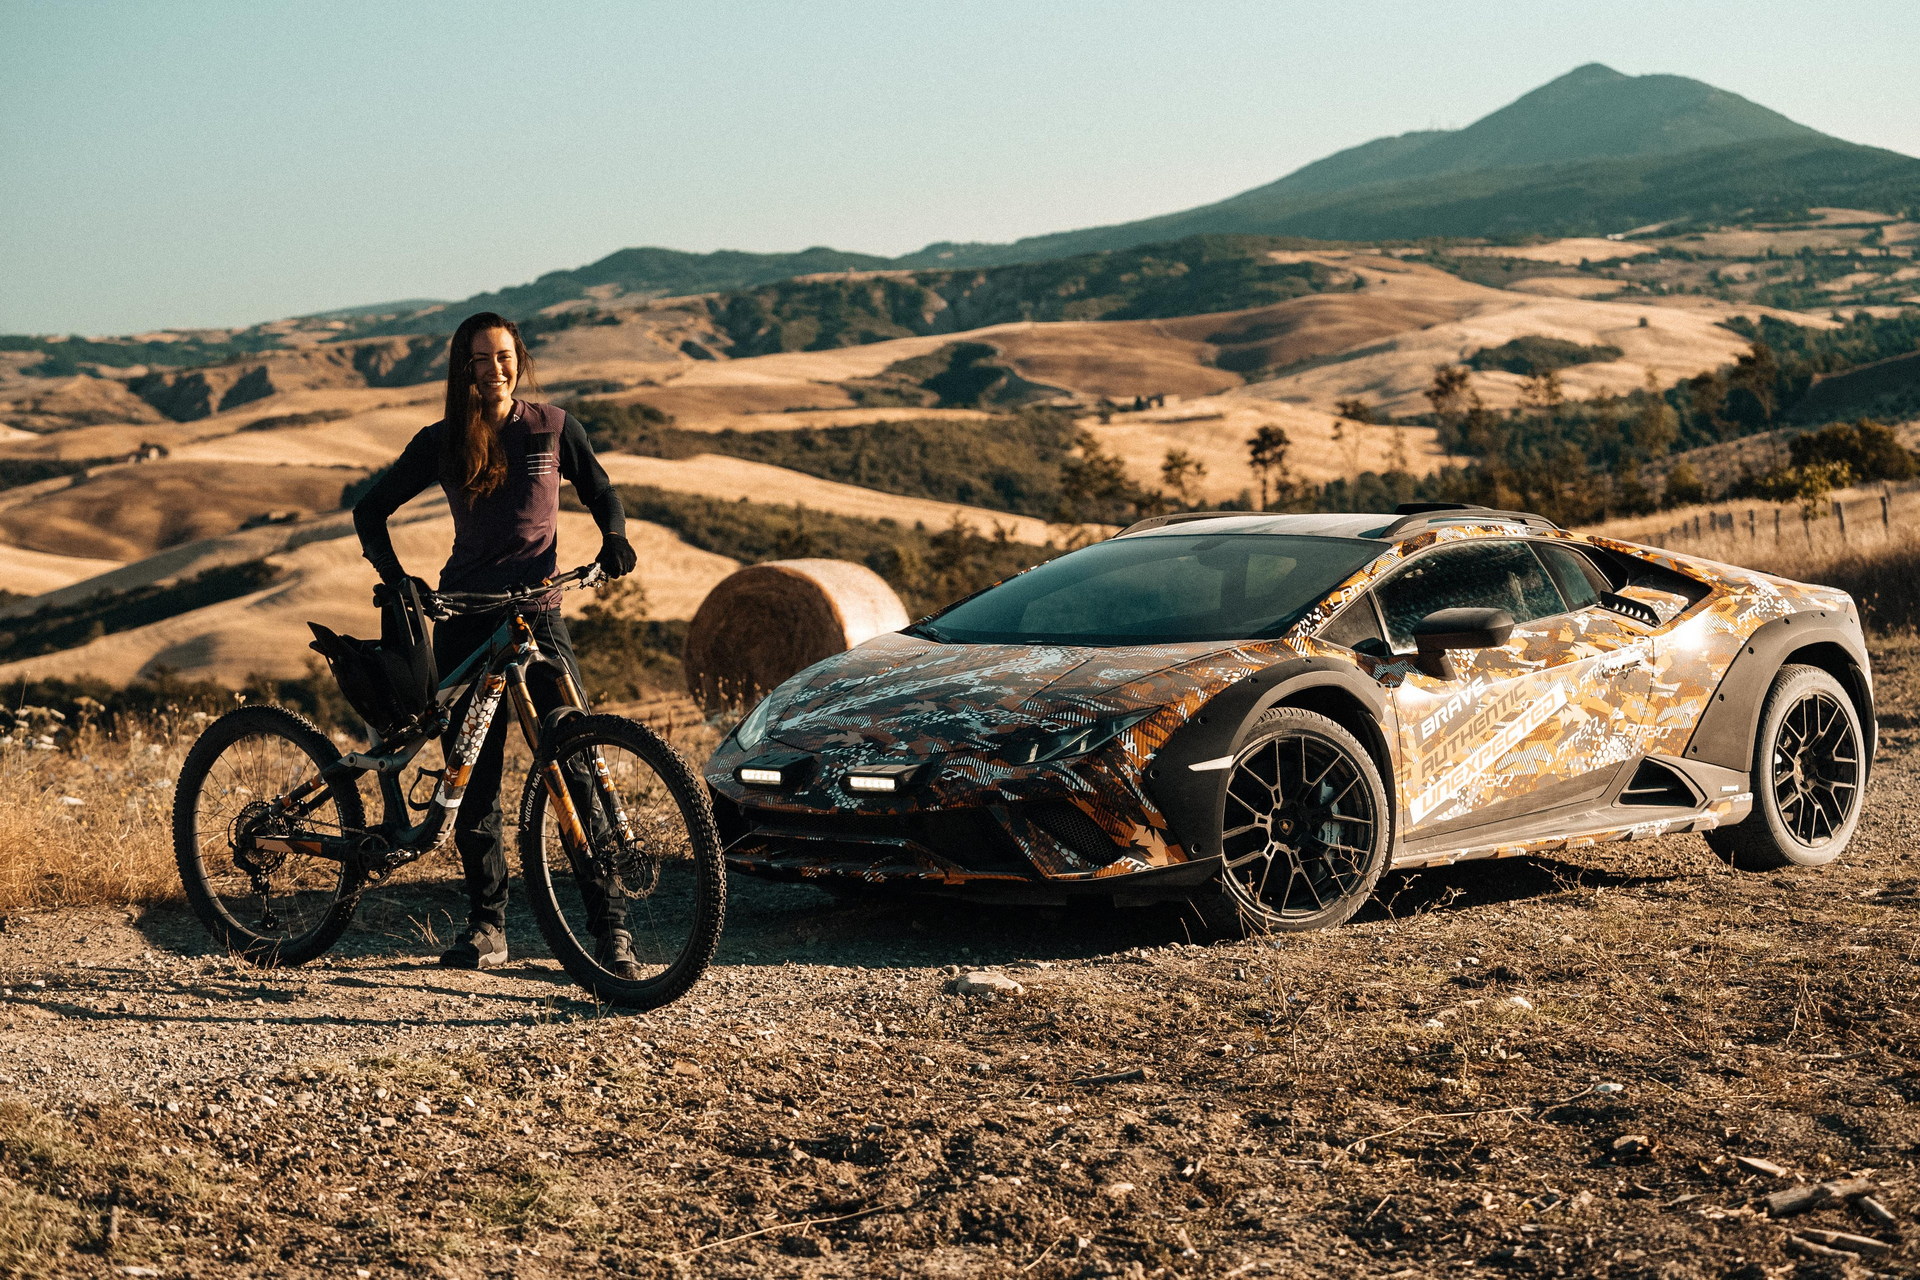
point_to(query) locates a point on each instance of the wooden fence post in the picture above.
(1776, 524)
(1840, 513)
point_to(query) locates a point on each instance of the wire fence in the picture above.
(1851, 519)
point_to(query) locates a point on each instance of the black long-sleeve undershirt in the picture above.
(418, 467)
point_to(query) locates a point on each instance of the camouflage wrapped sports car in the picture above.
(1263, 713)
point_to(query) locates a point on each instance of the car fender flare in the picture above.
(1727, 728)
(1191, 798)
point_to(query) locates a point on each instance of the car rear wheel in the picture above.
(1305, 829)
(1809, 772)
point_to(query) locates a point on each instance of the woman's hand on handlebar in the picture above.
(617, 557)
(382, 591)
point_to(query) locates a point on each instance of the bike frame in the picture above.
(496, 669)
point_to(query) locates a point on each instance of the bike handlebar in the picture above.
(447, 604)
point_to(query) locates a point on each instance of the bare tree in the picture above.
(1180, 471)
(1543, 392)
(1267, 455)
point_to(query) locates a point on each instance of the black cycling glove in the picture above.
(381, 590)
(616, 558)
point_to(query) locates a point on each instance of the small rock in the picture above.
(682, 1067)
(1520, 1002)
(1632, 1144)
(387, 1122)
(1608, 1087)
(983, 982)
(1566, 939)
(173, 1108)
(1766, 1168)
(422, 1107)
(1117, 1190)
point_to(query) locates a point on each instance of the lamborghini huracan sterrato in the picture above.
(1263, 713)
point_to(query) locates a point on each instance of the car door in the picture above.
(1534, 726)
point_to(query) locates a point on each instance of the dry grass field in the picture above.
(124, 513)
(326, 581)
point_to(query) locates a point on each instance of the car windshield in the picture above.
(1158, 588)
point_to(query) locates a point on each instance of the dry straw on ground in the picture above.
(84, 814)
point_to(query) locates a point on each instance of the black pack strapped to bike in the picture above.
(390, 681)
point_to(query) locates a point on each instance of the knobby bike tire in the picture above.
(220, 738)
(689, 795)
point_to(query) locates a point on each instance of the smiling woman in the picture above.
(500, 461)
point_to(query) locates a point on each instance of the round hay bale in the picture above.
(767, 621)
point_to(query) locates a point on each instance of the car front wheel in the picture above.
(1809, 772)
(1305, 829)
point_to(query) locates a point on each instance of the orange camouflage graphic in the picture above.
(1560, 737)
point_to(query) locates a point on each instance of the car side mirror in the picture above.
(1446, 629)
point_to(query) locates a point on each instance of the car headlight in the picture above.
(1077, 740)
(752, 731)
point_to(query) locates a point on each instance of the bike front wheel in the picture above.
(632, 850)
(254, 777)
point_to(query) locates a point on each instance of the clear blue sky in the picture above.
(199, 162)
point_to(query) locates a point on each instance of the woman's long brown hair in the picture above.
(473, 460)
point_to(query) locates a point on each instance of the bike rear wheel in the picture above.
(268, 907)
(651, 865)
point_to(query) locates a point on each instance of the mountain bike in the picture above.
(275, 851)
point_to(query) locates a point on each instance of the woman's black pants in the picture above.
(476, 824)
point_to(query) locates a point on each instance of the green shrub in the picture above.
(58, 627)
(15, 472)
(1015, 463)
(930, 569)
(1869, 450)
(1534, 354)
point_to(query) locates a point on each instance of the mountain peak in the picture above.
(1587, 73)
(1591, 113)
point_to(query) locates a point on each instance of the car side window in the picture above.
(1476, 574)
(1355, 625)
(1579, 578)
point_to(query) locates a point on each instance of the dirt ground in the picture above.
(1542, 1067)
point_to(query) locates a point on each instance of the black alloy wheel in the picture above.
(1816, 768)
(1305, 828)
(1809, 773)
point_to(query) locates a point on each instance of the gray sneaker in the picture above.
(480, 947)
(615, 955)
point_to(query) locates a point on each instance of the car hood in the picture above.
(900, 693)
